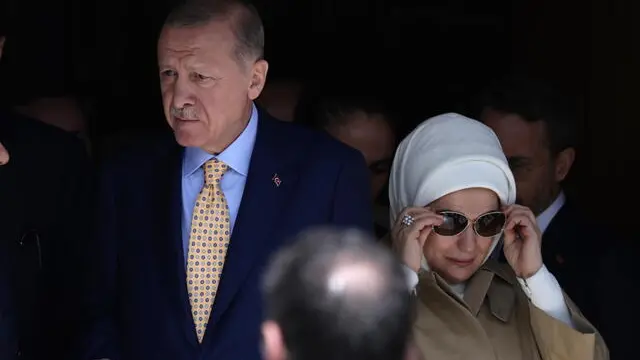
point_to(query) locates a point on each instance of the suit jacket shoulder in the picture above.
(312, 143)
(288, 142)
(20, 133)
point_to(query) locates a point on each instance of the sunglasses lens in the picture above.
(453, 224)
(489, 225)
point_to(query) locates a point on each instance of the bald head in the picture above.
(358, 280)
(338, 295)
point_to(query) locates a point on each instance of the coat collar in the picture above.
(493, 281)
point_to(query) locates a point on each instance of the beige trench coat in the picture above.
(496, 321)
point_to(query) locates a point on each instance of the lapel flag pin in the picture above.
(276, 180)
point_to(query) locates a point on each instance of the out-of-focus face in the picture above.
(63, 112)
(537, 173)
(207, 92)
(374, 138)
(4, 155)
(456, 258)
(280, 99)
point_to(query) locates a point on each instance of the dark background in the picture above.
(427, 57)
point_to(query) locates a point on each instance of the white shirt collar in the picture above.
(545, 217)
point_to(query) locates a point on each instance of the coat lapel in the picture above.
(263, 200)
(167, 203)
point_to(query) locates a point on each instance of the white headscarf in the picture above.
(445, 154)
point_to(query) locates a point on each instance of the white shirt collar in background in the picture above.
(544, 219)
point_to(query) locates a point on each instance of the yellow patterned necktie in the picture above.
(208, 243)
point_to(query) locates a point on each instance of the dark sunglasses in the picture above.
(486, 225)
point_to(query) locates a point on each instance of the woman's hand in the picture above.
(408, 240)
(522, 241)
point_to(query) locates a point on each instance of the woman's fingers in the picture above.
(408, 239)
(521, 210)
(520, 223)
(420, 228)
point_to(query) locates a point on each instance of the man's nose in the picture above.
(183, 94)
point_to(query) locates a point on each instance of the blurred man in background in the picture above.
(336, 295)
(362, 121)
(44, 177)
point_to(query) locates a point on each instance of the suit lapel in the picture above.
(555, 240)
(262, 204)
(167, 240)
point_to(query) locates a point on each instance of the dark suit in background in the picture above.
(44, 189)
(8, 330)
(141, 278)
(596, 267)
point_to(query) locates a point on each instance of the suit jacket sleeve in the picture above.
(352, 205)
(58, 294)
(615, 299)
(557, 341)
(8, 330)
(99, 337)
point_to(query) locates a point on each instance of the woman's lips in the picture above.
(461, 262)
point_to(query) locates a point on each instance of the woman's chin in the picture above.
(457, 275)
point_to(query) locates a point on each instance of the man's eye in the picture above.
(168, 73)
(200, 77)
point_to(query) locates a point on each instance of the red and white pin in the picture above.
(276, 179)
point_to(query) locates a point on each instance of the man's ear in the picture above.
(564, 162)
(258, 78)
(273, 344)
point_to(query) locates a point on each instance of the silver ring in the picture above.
(408, 220)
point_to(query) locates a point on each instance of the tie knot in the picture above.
(214, 169)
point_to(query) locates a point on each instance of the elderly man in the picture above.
(336, 295)
(187, 222)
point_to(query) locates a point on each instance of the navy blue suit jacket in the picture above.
(141, 276)
(8, 327)
(43, 193)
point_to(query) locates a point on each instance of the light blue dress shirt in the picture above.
(237, 156)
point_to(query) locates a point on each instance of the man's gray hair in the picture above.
(244, 18)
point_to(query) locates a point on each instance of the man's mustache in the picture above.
(185, 113)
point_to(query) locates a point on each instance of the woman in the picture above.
(452, 198)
